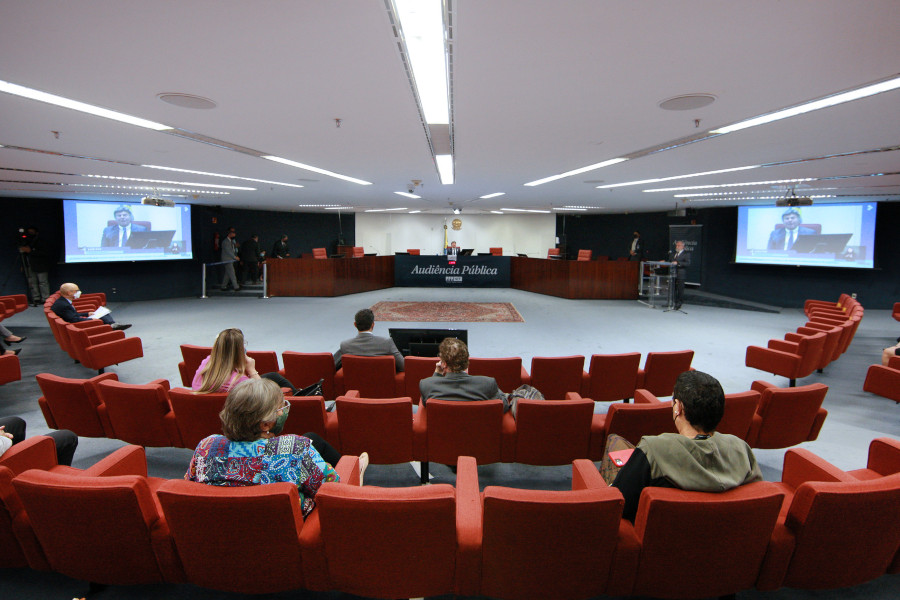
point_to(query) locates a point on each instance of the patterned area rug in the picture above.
(467, 312)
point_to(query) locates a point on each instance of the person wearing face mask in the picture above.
(252, 450)
(228, 365)
(65, 310)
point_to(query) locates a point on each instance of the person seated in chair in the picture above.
(252, 450)
(66, 311)
(12, 431)
(228, 365)
(451, 381)
(366, 343)
(696, 458)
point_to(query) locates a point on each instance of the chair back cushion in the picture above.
(788, 416)
(553, 433)
(612, 377)
(739, 410)
(464, 429)
(506, 371)
(557, 375)
(381, 427)
(373, 376)
(661, 369)
(197, 415)
(306, 368)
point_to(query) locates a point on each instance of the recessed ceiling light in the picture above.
(600, 165)
(687, 102)
(408, 195)
(726, 185)
(300, 165)
(445, 168)
(494, 195)
(186, 100)
(210, 185)
(294, 185)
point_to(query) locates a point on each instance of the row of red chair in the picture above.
(610, 377)
(9, 365)
(825, 336)
(114, 525)
(541, 432)
(92, 343)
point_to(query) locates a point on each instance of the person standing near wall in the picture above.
(637, 247)
(229, 257)
(37, 255)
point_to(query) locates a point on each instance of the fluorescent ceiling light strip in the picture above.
(496, 212)
(210, 185)
(725, 185)
(32, 94)
(863, 92)
(143, 187)
(318, 206)
(422, 23)
(570, 209)
(445, 167)
(300, 165)
(414, 212)
(494, 195)
(385, 209)
(657, 180)
(529, 210)
(295, 185)
(600, 165)
(338, 208)
(407, 195)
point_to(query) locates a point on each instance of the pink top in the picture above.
(236, 378)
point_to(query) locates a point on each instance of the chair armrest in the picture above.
(801, 465)
(348, 470)
(130, 460)
(784, 346)
(884, 456)
(351, 394)
(163, 382)
(795, 338)
(585, 475)
(105, 337)
(642, 396)
(38, 452)
(771, 361)
(469, 524)
(574, 396)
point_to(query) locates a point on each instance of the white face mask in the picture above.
(78, 294)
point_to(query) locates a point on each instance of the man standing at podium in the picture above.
(681, 259)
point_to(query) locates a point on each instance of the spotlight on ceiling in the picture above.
(793, 199)
(457, 211)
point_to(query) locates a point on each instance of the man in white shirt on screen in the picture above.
(117, 235)
(784, 238)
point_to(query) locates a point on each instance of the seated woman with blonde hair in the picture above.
(228, 365)
(252, 450)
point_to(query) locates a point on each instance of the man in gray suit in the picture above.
(451, 381)
(366, 343)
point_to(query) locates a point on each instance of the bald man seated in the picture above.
(65, 310)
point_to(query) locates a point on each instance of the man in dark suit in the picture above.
(66, 311)
(637, 247)
(451, 381)
(452, 250)
(681, 259)
(250, 259)
(366, 343)
(281, 248)
(117, 235)
(784, 238)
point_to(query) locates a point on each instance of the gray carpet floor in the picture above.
(553, 327)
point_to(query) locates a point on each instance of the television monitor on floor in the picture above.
(424, 342)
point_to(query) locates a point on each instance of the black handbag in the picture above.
(311, 390)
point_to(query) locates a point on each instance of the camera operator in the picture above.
(36, 257)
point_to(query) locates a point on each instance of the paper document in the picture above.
(100, 312)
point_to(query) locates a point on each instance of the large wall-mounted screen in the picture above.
(129, 231)
(823, 235)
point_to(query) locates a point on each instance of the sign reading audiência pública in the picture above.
(441, 271)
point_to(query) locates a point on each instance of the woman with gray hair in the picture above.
(252, 450)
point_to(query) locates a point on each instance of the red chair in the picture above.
(19, 301)
(551, 540)
(793, 360)
(382, 427)
(553, 253)
(415, 369)
(308, 414)
(611, 377)
(419, 541)
(266, 361)
(810, 304)
(508, 372)
(74, 404)
(787, 416)
(306, 368)
(896, 312)
(496, 251)
(372, 376)
(631, 421)
(737, 418)
(320, 253)
(106, 530)
(831, 347)
(829, 517)
(140, 414)
(9, 369)
(673, 527)
(195, 514)
(884, 459)
(884, 381)
(446, 430)
(553, 433)
(100, 351)
(413, 251)
(584, 255)
(661, 370)
(358, 252)
(557, 375)
(196, 415)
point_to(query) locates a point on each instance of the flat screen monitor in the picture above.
(822, 235)
(424, 342)
(94, 232)
(467, 252)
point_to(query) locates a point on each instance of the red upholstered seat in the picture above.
(415, 369)
(266, 361)
(896, 311)
(611, 377)
(413, 251)
(738, 415)
(508, 372)
(884, 381)
(114, 532)
(699, 545)
(9, 369)
(791, 359)
(553, 253)
(884, 459)
(140, 414)
(585, 255)
(661, 369)
(496, 251)
(258, 552)
(102, 350)
(647, 416)
(393, 542)
(372, 376)
(553, 433)
(382, 427)
(787, 416)
(196, 415)
(74, 404)
(566, 544)
(306, 368)
(320, 253)
(19, 301)
(555, 376)
(358, 252)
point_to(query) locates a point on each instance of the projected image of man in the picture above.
(783, 238)
(117, 235)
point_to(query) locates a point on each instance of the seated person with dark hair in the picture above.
(696, 458)
(12, 431)
(451, 381)
(366, 343)
(65, 310)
